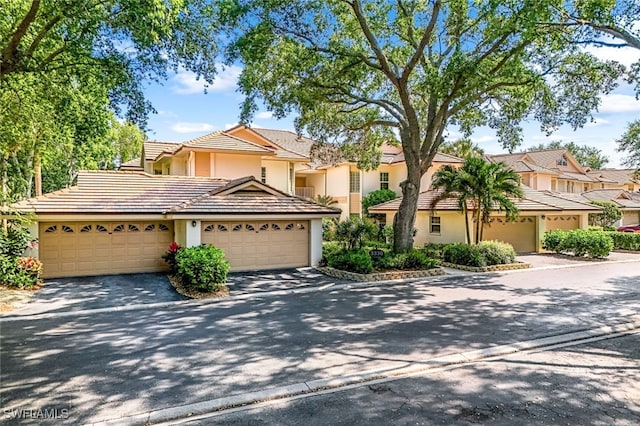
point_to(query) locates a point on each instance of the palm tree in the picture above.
(462, 148)
(325, 200)
(480, 186)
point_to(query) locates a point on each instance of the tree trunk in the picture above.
(405, 219)
(465, 211)
(37, 174)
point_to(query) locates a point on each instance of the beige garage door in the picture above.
(565, 223)
(631, 218)
(521, 234)
(260, 245)
(69, 249)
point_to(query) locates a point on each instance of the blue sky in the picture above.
(186, 112)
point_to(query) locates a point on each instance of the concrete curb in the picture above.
(274, 293)
(321, 385)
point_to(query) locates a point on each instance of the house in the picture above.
(539, 212)
(625, 179)
(122, 222)
(627, 202)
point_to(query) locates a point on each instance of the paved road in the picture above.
(110, 364)
(590, 384)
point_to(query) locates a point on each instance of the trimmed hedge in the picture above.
(579, 242)
(202, 268)
(625, 240)
(360, 261)
(485, 253)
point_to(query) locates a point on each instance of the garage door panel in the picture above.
(260, 245)
(564, 223)
(99, 248)
(520, 234)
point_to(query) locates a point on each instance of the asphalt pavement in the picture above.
(114, 364)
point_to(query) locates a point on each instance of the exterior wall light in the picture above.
(193, 223)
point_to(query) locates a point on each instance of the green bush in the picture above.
(329, 248)
(353, 232)
(20, 272)
(579, 242)
(434, 250)
(485, 253)
(415, 259)
(202, 268)
(13, 240)
(328, 229)
(625, 240)
(609, 215)
(553, 240)
(497, 252)
(357, 261)
(377, 197)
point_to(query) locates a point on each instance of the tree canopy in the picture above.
(362, 72)
(587, 156)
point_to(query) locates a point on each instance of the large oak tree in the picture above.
(358, 72)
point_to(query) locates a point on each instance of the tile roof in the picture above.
(289, 141)
(532, 200)
(132, 165)
(576, 176)
(522, 166)
(136, 192)
(439, 158)
(151, 149)
(618, 196)
(224, 142)
(620, 176)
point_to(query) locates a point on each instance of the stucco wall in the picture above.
(338, 188)
(543, 182)
(452, 228)
(178, 167)
(233, 166)
(370, 181)
(203, 164)
(316, 181)
(277, 174)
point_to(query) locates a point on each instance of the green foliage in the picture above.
(354, 231)
(553, 240)
(486, 253)
(377, 197)
(625, 240)
(325, 200)
(329, 229)
(14, 240)
(413, 260)
(357, 261)
(350, 70)
(586, 155)
(202, 268)
(629, 143)
(579, 242)
(329, 248)
(387, 234)
(19, 272)
(462, 148)
(480, 187)
(435, 250)
(610, 214)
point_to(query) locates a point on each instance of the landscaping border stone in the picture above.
(380, 276)
(492, 268)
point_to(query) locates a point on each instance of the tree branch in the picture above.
(9, 53)
(423, 42)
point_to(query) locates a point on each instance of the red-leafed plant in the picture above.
(170, 256)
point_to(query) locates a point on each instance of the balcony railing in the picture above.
(305, 192)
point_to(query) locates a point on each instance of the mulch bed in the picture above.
(12, 298)
(223, 290)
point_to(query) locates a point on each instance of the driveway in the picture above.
(281, 279)
(107, 291)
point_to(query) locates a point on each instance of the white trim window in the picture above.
(435, 225)
(384, 180)
(354, 182)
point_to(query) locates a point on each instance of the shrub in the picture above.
(610, 214)
(579, 242)
(415, 259)
(202, 268)
(377, 197)
(354, 231)
(464, 254)
(553, 240)
(328, 229)
(329, 248)
(625, 240)
(497, 252)
(357, 261)
(170, 257)
(14, 240)
(20, 272)
(387, 234)
(434, 250)
(485, 253)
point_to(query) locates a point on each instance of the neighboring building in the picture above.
(539, 212)
(617, 179)
(122, 222)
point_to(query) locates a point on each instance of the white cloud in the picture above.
(482, 139)
(617, 103)
(230, 125)
(264, 115)
(184, 127)
(186, 82)
(625, 55)
(597, 122)
(167, 114)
